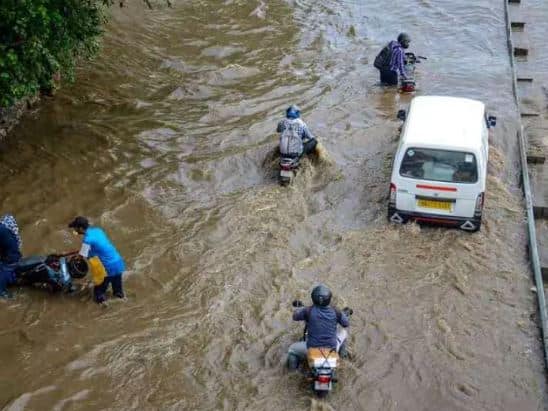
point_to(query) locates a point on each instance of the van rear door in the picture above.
(441, 182)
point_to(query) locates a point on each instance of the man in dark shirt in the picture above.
(322, 321)
(393, 63)
(10, 252)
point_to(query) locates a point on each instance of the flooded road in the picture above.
(166, 141)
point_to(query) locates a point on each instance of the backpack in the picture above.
(291, 141)
(382, 61)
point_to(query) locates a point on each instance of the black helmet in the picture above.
(404, 39)
(321, 295)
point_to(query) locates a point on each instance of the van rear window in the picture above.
(439, 165)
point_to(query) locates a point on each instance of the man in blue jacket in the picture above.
(322, 321)
(96, 243)
(10, 252)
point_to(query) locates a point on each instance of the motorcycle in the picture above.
(288, 169)
(54, 272)
(321, 363)
(408, 84)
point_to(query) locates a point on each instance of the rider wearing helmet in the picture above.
(390, 61)
(293, 125)
(321, 320)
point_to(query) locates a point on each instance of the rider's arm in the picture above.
(342, 318)
(280, 127)
(84, 250)
(307, 135)
(300, 314)
(400, 63)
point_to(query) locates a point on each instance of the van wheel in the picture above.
(478, 226)
(395, 217)
(471, 227)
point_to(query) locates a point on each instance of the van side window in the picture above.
(439, 165)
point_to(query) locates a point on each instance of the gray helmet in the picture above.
(404, 39)
(321, 295)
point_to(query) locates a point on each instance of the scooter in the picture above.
(321, 363)
(288, 169)
(54, 272)
(408, 84)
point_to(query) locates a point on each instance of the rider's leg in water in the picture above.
(3, 284)
(296, 354)
(389, 77)
(6, 278)
(100, 290)
(342, 335)
(310, 146)
(117, 289)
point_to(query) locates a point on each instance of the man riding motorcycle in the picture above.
(295, 137)
(322, 321)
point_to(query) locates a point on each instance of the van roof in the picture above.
(445, 123)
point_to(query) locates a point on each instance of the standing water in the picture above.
(166, 141)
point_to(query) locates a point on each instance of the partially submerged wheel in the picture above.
(284, 181)
(321, 393)
(470, 226)
(78, 267)
(395, 217)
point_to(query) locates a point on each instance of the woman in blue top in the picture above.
(96, 243)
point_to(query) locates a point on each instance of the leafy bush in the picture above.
(40, 38)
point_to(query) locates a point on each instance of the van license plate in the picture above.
(286, 173)
(438, 205)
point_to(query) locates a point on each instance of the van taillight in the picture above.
(479, 203)
(392, 198)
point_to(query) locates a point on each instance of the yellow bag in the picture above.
(97, 270)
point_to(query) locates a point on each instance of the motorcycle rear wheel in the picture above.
(321, 394)
(285, 181)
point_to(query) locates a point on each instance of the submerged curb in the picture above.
(10, 117)
(533, 246)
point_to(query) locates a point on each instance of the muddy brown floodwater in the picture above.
(165, 142)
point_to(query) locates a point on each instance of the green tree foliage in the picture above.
(39, 38)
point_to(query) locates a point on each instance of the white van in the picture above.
(440, 168)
